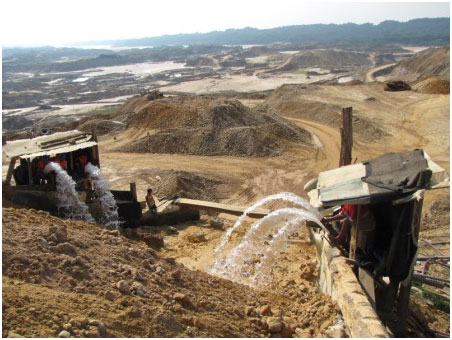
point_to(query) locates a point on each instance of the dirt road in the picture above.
(370, 74)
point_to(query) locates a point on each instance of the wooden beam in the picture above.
(345, 157)
(222, 208)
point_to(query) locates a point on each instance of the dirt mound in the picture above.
(188, 185)
(323, 59)
(210, 126)
(69, 278)
(289, 101)
(201, 62)
(437, 214)
(430, 62)
(433, 85)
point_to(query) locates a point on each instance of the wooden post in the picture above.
(346, 137)
(405, 286)
(30, 171)
(95, 149)
(133, 191)
(9, 174)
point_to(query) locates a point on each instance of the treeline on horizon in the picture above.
(434, 31)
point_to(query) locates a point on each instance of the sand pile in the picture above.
(323, 59)
(210, 126)
(433, 61)
(290, 101)
(70, 278)
(188, 185)
(433, 85)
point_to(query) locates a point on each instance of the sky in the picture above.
(62, 22)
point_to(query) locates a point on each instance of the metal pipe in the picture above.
(428, 277)
(426, 258)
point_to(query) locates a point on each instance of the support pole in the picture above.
(133, 191)
(346, 137)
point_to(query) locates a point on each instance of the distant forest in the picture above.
(415, 32)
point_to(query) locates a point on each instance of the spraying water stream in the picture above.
(69, 203)
(252, 260)
(109, 218)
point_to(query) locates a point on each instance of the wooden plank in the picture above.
(223, 208)
(346, 137)
(9, 174)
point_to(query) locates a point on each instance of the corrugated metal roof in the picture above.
(49, 145)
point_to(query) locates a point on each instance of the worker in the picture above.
(346, 217)
(61, 160)
(40, 177)
(151, 202)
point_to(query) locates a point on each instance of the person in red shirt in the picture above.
(346, 217)
(61, 160)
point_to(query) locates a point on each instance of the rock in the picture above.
(303, 333)
(196, 238)
(67, 327)
(274, 325)
(101, 329)
(176, 275)
(153, 240)
(181, 298)
(64, 334)
(286, 331)
(110, 296)
(336, 331)
(138, 289)
(249, 311)
(42, 241)
(53, 239)
(123, 287)
(265, 310)
(66, 248)
(172, 231)
(216, 223)
(14, 334)
(61, 234)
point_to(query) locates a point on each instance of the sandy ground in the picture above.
(243, 83)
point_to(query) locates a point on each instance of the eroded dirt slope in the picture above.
(72, 276)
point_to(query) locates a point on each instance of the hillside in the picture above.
(73, 278)
(430, 62)
(418, 32)
(208, 126)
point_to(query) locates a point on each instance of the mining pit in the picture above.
(72, 278)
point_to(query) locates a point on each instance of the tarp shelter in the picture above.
(388, 177)
(391, 187)
(49, 145)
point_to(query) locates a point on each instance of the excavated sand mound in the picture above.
(209, 126)
(290, 101)
(72, 279)
(433, 86)
(433, 61)
(324, 59)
